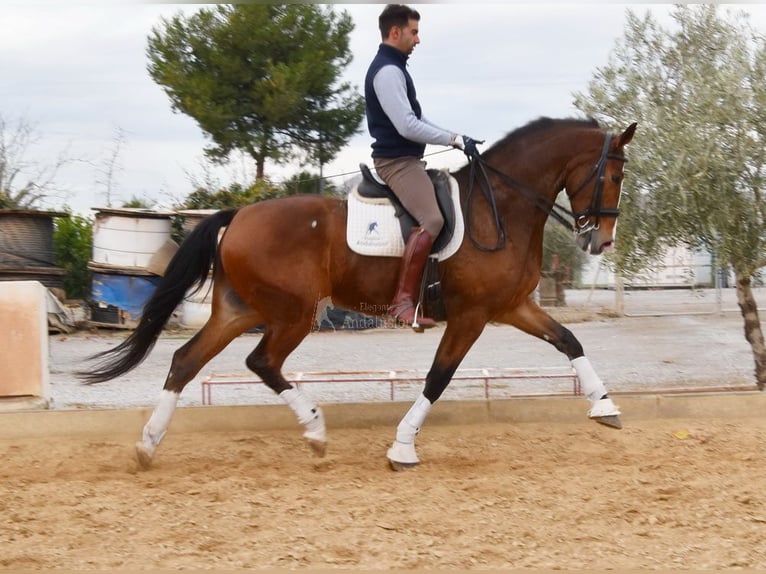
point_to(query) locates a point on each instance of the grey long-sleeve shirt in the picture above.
(390, 87)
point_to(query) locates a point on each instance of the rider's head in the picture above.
(398, 25)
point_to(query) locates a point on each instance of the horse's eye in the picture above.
(616, 178)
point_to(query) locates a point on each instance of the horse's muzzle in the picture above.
(591, 242)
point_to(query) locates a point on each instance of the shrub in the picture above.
(73, 245)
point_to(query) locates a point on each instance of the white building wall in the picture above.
(680, 267)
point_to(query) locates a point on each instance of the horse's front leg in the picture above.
(530, 318)
(458, 338)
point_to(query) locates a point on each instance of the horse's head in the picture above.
(594, 193)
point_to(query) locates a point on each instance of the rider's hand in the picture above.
(467, 144)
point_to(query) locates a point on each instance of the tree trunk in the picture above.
(259, 163)
(753, 332)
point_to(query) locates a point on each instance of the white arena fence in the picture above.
(406, 384)
(649, 302)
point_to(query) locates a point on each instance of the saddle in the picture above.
(372, 188)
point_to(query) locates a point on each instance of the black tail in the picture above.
(189, 266)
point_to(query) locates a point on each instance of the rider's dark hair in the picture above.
(398, 15)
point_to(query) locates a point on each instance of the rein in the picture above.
(575, 222)
(489, 193)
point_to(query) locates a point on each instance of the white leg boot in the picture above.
(156, 428)
(602, 409)
(402, 453)
(310, 416)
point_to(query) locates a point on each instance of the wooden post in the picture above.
(619, 295)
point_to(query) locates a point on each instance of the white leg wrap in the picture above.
(158, 423)
(403, 449)
(592, 386)
(594, 389)
(413, 420)
(309, 415)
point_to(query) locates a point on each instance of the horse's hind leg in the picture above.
(531, 319)
(279, 340)
(229, 319)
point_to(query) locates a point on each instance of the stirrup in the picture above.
(417, 327)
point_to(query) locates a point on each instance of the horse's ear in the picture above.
(627, 135)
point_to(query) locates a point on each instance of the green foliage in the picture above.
(263, 79)
(138, 203)
(230, 197)
(306, 182)
(697, 165)
(73, 245)
(18, 199)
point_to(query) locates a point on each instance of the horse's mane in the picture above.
(540, 125)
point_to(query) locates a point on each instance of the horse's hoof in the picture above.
(402, 456)
(400, 466)
(605, 412)
(144, 455)
(612, 421)
(318, 447)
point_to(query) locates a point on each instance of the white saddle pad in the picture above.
(373, 228)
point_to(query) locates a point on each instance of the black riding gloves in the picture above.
(467, 144)
(469, 147)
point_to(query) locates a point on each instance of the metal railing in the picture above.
(392, 378)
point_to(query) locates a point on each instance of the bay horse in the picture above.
(278, 258)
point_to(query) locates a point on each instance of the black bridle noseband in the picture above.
(579, 223)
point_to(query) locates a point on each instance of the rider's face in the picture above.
(405, 39)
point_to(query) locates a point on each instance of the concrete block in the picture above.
(24, 349)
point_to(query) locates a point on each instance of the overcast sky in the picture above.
(77, 73)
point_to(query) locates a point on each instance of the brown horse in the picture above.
(277, 259)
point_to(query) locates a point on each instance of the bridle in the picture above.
(579, 223)
(582, 221)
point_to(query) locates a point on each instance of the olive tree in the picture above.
(696, 90)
